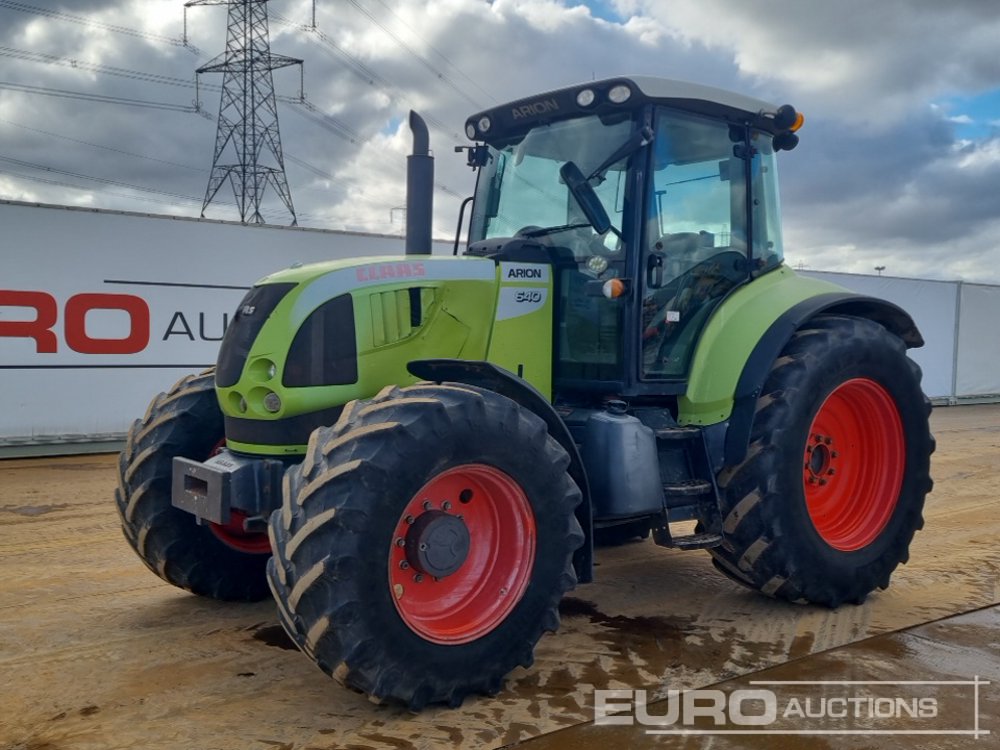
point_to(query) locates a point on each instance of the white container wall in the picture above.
(100, 310)
(933, 306)
(978, 358)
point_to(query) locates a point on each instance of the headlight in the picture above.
(619, 94)
(585, 98)
(272, 402)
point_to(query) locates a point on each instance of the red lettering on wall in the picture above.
(39, 329)
(79, 340)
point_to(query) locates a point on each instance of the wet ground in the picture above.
(95, 652)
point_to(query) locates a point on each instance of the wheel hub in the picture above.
(462, 554)
(854, 459)
(821, 459)
(437, 543)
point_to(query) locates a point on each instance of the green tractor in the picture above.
(416, 454)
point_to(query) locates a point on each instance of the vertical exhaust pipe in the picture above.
(419, 190)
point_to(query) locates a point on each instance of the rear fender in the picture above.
(769, 347)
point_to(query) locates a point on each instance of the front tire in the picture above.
(424, 543)
(221, 562)
(825, 504)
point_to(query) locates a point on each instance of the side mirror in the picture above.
(585, 196)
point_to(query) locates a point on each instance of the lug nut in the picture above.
(446, 505)
(831, 472)
(427, 505)
(812, 480)
(834, 454)
(423, 547)
(403, 565)
(409, 519)
(827, 441)
(822, 482)
(400, 542)
(418, 578)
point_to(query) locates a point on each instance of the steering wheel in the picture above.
(692, 289)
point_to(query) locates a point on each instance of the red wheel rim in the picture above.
(854, 461)
(233, 534)
(478, 596)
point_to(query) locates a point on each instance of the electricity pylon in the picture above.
(247, 141)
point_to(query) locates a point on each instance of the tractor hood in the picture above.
(308, 339)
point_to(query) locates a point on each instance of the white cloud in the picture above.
(879, 176)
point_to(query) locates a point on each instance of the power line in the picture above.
(363, 72)
(98, 145)
(307, 166)
(439, 53)
(80, 20)
(420, 58)
(61, 183)
(69, 62)
(102, 180)
(127, 101)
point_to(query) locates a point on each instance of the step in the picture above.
(687, 488)
(677, 433)
(705, 540)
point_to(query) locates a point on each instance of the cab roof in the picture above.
(511, 118)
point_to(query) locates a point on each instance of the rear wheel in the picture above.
(827, 500)
(223, 562)
(424, 543)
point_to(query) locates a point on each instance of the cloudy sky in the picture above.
(899, 163)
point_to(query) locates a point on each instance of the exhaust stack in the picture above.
(419, 190)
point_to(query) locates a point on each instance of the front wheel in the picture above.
(424, 543)
(222, 562)
(830, 494)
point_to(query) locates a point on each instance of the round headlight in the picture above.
(619, 94)
(470, 131)
(597, 264)
(272, 403)
(484, 124)
(585, 98)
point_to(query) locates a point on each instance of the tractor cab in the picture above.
(653, 199)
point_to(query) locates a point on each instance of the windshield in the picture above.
(521, 189)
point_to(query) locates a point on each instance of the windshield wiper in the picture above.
(637, 140)
(553, 230)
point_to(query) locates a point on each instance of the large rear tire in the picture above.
(221, 562)
(424, 543)
(830, 494)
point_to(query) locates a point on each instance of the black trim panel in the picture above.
(280, 432)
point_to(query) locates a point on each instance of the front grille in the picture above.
(250, 317)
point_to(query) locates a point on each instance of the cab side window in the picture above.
(695, 248)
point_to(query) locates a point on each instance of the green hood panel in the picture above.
(404, 308)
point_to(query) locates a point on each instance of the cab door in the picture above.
(694, 250)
